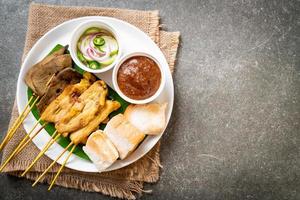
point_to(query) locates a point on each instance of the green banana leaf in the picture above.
(50, 129)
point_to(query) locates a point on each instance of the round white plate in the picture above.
(133, 39)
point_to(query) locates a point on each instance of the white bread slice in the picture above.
(148, 118)
(123, 135)
(100, 150)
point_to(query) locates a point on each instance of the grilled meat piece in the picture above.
(60, 106)
(41, 73)
(85, 108)
(28, 77)
(81, 135)
(56, 86)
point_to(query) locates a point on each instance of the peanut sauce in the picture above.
(139, 77)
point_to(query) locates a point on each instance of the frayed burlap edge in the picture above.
(128, 189)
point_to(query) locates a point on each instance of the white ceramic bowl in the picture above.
(115, 82)
(79, 31)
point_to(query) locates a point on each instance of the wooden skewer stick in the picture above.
(31, 137)
(47, 84)
(37, 180)
(19, 121)
(54, 137)
(27, 111)
(61, 167)
(14, 152)
(24, 116)
(22, 145)
(3, 143)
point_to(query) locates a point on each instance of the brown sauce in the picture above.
(139, 77)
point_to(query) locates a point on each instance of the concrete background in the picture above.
(234, 132)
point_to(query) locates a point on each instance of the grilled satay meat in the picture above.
(58, 108)
(39, 74)
(56, 86)
(85, 108)
(90, 77)
(81, 135)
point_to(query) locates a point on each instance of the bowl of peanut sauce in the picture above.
(138, 78)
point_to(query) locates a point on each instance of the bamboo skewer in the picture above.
(3, 143)
(24, 116)
(61, 167)
(13, 153)
(47, 84)
(52, 164)
(22, 144)
(31, 138)
(54, 137)
(18, 122)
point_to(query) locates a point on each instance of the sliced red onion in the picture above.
(92, 45)
(91, 54)
(89, 50)
(84, 47)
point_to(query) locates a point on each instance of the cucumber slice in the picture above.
(114, 53)
(109, 61)
(100, 48)
(79, 44)
(112, 42)
(80, 57)
(87, 58)
(92, 30)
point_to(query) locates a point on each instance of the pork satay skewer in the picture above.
(52, 113)
(57, 109)
(56, 59)
(73, 90)
(81, 135)
(18, 122)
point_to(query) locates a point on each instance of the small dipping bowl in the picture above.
(116, 84)
(79, 31)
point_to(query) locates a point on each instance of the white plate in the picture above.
(133, 40)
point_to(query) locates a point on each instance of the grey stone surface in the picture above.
(234, 132)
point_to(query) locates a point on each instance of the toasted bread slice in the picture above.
(100, 150)
(148, 118)
(123, 135)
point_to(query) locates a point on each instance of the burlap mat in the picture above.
(122, 183)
